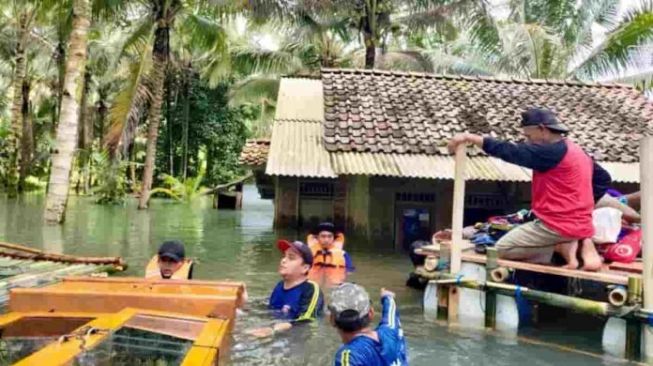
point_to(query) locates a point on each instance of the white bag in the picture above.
(607, 225)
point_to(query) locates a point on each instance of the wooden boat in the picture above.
(114, 321)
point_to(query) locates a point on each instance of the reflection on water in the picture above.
(239, 245)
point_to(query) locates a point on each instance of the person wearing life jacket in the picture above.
(170, 263)
(327, 247)
(562, 192)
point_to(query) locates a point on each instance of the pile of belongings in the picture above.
(616, 241)
(486, 234)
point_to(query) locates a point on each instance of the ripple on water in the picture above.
(239, 245)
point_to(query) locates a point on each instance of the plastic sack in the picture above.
(627, 249)
(607, 225)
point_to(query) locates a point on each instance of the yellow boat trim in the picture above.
(206, 348)
(204, 351)
(62, 353)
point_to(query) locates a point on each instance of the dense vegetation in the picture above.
(116, 97)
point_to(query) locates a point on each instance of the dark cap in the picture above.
(544, 117)
(303, 249)
(173, 249)
(326, 226)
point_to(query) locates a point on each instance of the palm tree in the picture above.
(24, 13)
(62, 158)
(548, 39)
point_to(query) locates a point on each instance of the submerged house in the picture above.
(367, 148)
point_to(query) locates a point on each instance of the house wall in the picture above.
(286, 205)
(358, 205)
(370, 207)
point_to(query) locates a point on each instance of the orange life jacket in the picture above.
(328, 276)
(334, 257)
(185, 272)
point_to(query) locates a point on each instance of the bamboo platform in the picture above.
(23, 267)
(610, 274)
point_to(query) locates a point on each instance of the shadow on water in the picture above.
(238, 245)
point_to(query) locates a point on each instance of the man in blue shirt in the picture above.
(351, 314)
(294, 299)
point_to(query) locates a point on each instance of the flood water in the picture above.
(238, 245)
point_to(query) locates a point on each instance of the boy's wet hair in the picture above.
(351, 321)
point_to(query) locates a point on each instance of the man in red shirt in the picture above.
(562, 191)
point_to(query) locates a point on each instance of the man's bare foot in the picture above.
(568, 253)
(591, 258)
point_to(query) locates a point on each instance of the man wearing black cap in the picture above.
(295, 299)
(170, 262)
(566, 183)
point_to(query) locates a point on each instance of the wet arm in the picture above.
(389, 315)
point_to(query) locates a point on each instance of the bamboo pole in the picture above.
(563, 301)
(646, 187)
(23, 252)
(490, 296)
(443, 291)
(634, 326)
(457, 227)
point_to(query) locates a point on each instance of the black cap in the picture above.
(303, 249)
(544, 117)
(173, 249)
(326, 226)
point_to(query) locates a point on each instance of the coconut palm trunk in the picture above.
(62, 157)
(27, 138)
(160, 55)
(17, 108)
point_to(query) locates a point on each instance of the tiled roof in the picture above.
(255, 152)
(410, 113)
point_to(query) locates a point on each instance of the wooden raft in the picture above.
(21, 267)
(610, 274)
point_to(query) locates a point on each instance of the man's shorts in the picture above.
(531, 242)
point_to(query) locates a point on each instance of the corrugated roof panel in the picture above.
(300, 99)
(296, 150)
(622, 172)
(424, 166)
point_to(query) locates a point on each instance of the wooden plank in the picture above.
(43, 299)
(458, 208)
(457, 229)
(635, 267)
(646, 187)
(604, 276)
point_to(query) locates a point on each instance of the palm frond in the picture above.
(622, 44)
(429, 14)
(253, 89)
(483, 30)
(205, 34)
(140, 35)
(405, 61)
(129, 105)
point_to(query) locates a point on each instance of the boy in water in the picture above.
(295, 299)
(351, 314)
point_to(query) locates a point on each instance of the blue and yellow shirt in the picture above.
(390, 350)
(303, 302)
